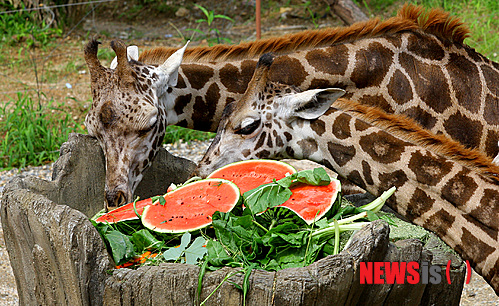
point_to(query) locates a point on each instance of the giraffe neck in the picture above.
(446, 87)
(438, 193)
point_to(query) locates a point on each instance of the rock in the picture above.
(182, 12)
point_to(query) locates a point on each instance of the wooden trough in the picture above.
(59, 258)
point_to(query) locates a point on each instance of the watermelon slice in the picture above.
(250, 174)
(125, 212)
(311, 203)
(190, 207)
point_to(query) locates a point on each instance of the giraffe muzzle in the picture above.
(115, 199)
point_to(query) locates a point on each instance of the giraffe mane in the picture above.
(409, 18)
(406, 128)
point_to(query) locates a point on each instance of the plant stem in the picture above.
(350, 219)
(306, 250)
(219, 285)
(260, 226)
(376, 205)
(341, 228)
(135, 208)
(272, 224)
(336, 237)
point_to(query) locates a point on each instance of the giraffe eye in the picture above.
(248, 126)
(149, 127)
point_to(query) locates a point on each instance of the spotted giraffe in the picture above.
(441, 185)
(130, 134)
(414, 63)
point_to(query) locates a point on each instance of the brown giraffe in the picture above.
(441, 185)
(130, 134)
(414, 63)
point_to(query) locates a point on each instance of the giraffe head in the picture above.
(126, 117)
(266, 122)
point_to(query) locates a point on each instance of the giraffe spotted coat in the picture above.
(441, 185)
(414, 64)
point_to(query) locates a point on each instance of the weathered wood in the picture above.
(452, 292)
(79, 175)
(347, 11)
(56, 254)
(326, 280)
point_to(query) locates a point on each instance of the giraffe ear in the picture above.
(171, 65)
(132, 53)
(312, 104)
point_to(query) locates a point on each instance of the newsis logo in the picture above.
(411, 272)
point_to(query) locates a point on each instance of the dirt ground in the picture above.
(58, 72)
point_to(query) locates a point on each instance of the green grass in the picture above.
(32, 135)
(24, 29)
(176, 133)
(481, 16)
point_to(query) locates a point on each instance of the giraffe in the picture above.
(136, 127)
(414, 63)
(441, 185)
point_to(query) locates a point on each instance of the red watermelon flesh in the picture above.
(309, 202)
(125, 212)
(250, 174)
(191, 207)
(312, 202)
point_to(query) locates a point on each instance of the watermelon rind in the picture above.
(315, 215)
(237, 172)
(178, 207)
(123, 213)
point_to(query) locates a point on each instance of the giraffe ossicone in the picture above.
(132, 54)
(126, 117)
(441, 185)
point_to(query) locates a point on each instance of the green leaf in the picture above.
(287, 181)
(121, 246)
(175, 253)
(371, 216)
(237, 234)
(196, 30)
(224, 17)
(202, 272)
(322, 223)
(246, 283)
(162, 201)
(266, 196)
(144, 240)
(276, 193)
(315, 177)
(217, 255)
(195, 251)
(210, 17)
(205, 11)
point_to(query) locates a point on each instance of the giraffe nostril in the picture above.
(115, 199)
(121, 199)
